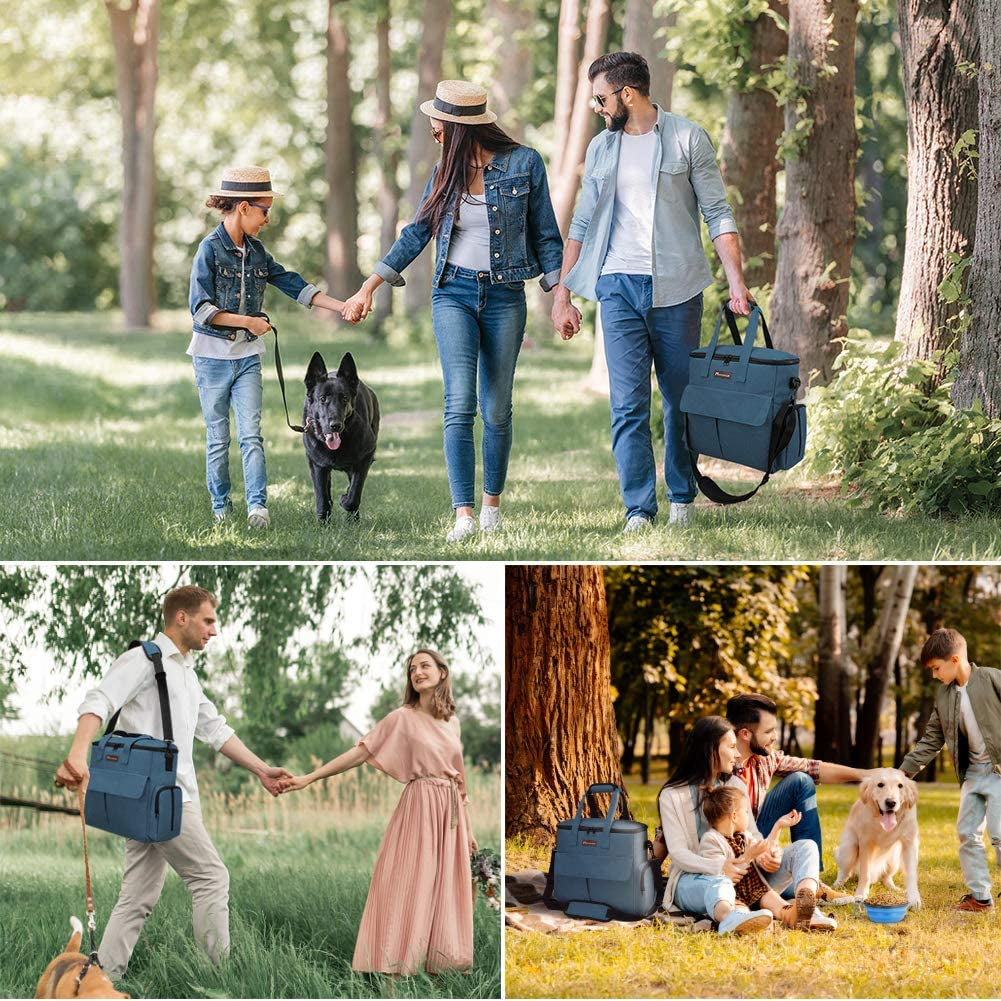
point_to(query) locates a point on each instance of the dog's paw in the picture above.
(351, 509)
(914, 902)
(323, 516)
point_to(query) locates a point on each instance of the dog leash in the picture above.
(91, 918)
(281, 374)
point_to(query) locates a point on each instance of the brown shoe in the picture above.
(834, 897)
(806, 904)
(969, 904)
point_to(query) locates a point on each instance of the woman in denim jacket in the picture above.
(228, 277)
(487, 205)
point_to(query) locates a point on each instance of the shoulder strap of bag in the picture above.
(152, 651)
(281, 373)
(783, 427)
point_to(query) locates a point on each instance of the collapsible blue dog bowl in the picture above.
(885, 914)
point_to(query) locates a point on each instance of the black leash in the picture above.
(281, 375)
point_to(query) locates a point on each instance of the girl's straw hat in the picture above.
(458, 101)
(245, 182)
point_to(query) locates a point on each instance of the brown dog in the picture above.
(60, 977)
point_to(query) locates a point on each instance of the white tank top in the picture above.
(470, 243)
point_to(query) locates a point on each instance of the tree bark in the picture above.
(649, 715)
(749, 156)
(936, 36)
(583, 120)
(134, 30)
(979, 375)
(343, 275)
(890, 634)
(422, 150)
(817, 229)
(388, 157)
(645, 32)
(559, 724)
(510, 22)
(831, 656)
(567, 49)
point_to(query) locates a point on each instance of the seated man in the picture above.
(753, 720)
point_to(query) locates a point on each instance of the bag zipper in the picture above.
(754, 361)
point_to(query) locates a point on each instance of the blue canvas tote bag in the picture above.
(602, 868)
(133, 788)
(740, 405)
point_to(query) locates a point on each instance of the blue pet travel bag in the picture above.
(740, 405)
(602, 868)
(133, 788)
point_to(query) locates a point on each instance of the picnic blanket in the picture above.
(524, 910)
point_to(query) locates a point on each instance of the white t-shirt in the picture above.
(207, 346)
(630, 239)
(969, 726)
(469, 246)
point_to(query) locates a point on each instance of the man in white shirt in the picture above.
(189, 615)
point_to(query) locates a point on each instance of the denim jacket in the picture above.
(222, 282)
(524, 238)
(687, 179)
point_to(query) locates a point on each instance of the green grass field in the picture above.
(102, 451)
(932, 953)
(300, 868)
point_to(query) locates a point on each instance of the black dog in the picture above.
(341, 418)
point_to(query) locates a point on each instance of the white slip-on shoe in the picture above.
(681, 514)
(463, 528)
(258, 517)
(745, 922)
(819, 921)
(490, 518)
(637, 523)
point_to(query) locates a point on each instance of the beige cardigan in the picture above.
(680, 835)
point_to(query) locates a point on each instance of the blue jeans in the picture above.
(479, 328)
(796, 791)
(224, 383)
(979, 807)
(635, 335)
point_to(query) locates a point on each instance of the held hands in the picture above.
(358, 306)
(293, 783)
(271, 778)
(566, 319)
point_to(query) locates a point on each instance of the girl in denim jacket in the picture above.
(487, 206)
(228, 278)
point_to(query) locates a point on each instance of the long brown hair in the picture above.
(442, 703)
(457, 145)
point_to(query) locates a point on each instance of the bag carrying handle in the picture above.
(756, 318)
(783, 427)
(152, 651)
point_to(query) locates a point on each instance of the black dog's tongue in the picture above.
(333, 441)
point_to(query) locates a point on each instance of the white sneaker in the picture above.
(819, 921)
(681, 514)
(490, 518)
(464, 527)
(637, 523)
(258, 517)
(744, 922)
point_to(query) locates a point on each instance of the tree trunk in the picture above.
(645, 32)
(567, 49)
(559, 723)
(831, 657)
(583, 119)
(510, 23)
(817, 229)
(899, 721)
(979, 375)
(343, 275)
(936, 36)
(134, 31)
(388, 158)
(891, 632)
(648, 723)
(749, 156)
(422, 150)
(629, 743)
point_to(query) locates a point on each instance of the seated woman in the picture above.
(706, 886)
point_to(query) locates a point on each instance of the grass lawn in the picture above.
(102, 452)
(932, 953)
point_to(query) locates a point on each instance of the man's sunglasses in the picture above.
(599, 101)
(264, 208)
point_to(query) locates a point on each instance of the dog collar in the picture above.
(93, 961)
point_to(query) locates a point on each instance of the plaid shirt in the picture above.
(759, 770)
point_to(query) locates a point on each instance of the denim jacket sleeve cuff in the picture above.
(550, 280)
(206, 313)
(725, 224)
(305, 297)
(387, 274)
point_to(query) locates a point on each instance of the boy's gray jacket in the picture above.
(984, 690)
(686, 179)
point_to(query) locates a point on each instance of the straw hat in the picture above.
(458, 101)
(245, 182)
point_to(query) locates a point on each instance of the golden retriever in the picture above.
(881, 834)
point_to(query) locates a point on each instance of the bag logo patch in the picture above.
(588, 843)
(723, 375)
(111, 757)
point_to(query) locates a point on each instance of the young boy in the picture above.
(967, 718)
(728, 813)
(228, 277)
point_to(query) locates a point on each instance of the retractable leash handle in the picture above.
(281, 374)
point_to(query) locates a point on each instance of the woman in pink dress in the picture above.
(419, 911)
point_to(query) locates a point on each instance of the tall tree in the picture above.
(832, 662)
(979, 375)
(134, 27)
(938, 42)
(748, 150)
(510, 26)
(421, 152)
(817, 229)
(567, 70)
(559, 723)
(645, 31)
(343, 275)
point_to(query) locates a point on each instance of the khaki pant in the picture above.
(194, 858)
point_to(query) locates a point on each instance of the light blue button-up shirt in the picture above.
(687, 180)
